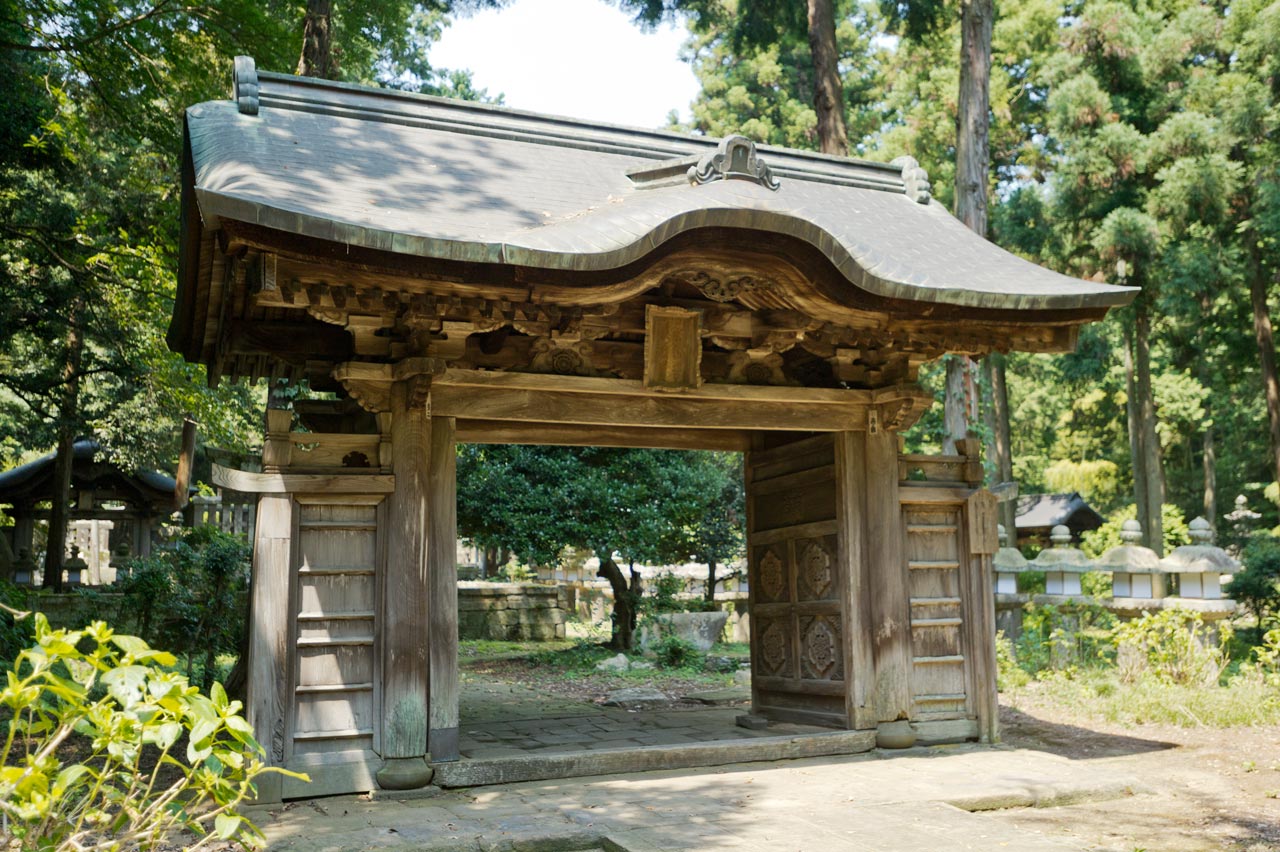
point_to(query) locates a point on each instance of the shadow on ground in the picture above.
(1024, 730)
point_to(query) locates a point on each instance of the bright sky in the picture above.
(580, 58)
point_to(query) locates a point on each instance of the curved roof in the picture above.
(33, 481)
(442, 179)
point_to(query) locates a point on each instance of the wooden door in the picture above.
(797, 588)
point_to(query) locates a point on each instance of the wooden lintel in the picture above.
(287, 483)
(580, 435)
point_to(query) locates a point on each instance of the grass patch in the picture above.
(1101, 694)
(492, 649)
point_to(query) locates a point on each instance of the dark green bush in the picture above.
(1257, 587)
(676, 653)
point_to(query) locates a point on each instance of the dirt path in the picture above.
(1211, 789)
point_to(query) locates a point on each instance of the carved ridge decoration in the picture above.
(735, 158)
(773, 578)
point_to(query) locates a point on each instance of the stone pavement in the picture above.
(610, 728)
(908, 801)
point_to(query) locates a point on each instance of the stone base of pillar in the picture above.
(405, 773)
(898, 734)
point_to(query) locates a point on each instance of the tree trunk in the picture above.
(1001, 437)
(1266, 353)
(68, 423)
(625, 599)
(709, 593)
(317, 42)
(1210, 474)
(973, 162)
(973, 159)
(1136, 455)
(1147, 425)
(828, 90)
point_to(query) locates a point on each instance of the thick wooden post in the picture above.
(406, 597)
(443, 619)
(268, 681)
(854, 564)
(267, 687)
(980, 511)
(891, 607)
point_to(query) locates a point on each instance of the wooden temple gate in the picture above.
(460, 273)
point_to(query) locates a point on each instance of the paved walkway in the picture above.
(915, 801)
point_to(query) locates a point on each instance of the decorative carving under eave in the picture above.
(735, 158)
(725, 288)
(565, 356)
(370, 384)
(756, 367)
(898, 408)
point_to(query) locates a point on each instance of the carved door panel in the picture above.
(797, 646)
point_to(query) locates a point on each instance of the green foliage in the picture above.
(1099, 541)
(1173, 646)
(1100, 693)
(189, 598)
(672, 652)
(1098, 481)
(664, 595)
(1257, 586)
(1067, 636)
(1009, 675)
(15, 633)
(110, 699)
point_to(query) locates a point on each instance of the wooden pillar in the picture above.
(891, 606)
(406, 595)
(267, 687)
(443, 618)
(980, 511)
(268, 682)
(854, 564)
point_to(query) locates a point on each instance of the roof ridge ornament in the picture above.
(244, 84)
(734, 158)
(915, 180)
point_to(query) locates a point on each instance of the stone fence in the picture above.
(514, 612)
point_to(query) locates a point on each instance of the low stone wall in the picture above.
(513, 611)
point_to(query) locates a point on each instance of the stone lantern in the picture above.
(1008, 564)
(75, 567)
(24, 568)
(1136, 571)
(1062, 564)
(1201, 564)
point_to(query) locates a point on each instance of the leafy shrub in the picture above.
(1009, 675)
(1257, 587)
(15, 633)
(1057, 637)
(110, 698)
(1173, 647)
(188, 598)
(675, 653)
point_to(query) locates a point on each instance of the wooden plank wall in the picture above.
(797, 589)
(335, 673)
(936, 558)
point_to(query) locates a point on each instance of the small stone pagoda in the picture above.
(469, 273)
(1062, 564)
(1136, 571)
(1201, 565)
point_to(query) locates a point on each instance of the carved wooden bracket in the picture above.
(370, 384)
(898, 408)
